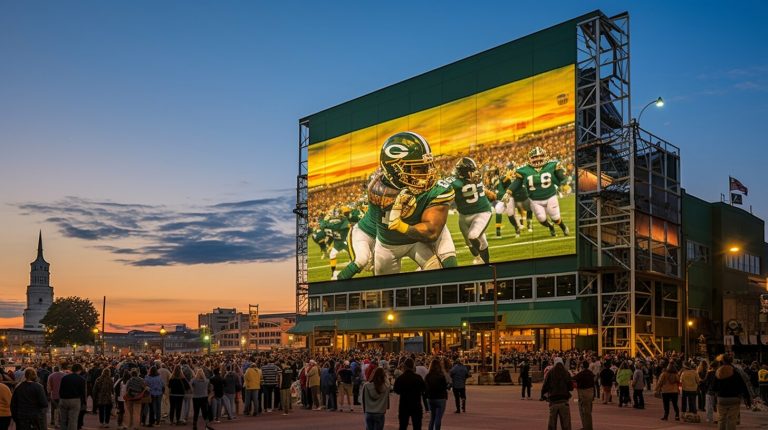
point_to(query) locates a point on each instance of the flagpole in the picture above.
(730, 198)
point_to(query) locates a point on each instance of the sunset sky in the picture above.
(154, 143)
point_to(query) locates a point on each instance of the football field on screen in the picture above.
(536, 244)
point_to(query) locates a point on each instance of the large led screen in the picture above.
(483, 179)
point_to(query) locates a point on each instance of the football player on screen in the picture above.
(473, 207)
(542, 179)
(500, 184)
(362, 236)
(337, 227)
(415, 224)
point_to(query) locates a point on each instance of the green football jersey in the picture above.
(470, 198)
(354, 215)
(440, 194)
(337, 228)
(368, 222)
(318, 235)
(541, 183)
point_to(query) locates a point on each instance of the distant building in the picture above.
(39, 291)
(220, 319)
(273, 332)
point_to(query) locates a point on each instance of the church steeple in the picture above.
(40, 246)
(39, 291)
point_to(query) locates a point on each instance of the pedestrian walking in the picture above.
(731, 392)
(410, 387)
(638, 385)
(200, 389)
(607, 378)
(29, 404)
(71, 393)
(437, 393)
(585, 386)
(135, 391)
(375, 396)
(526, 382)
(689, 381)
(667, 388)
(557, 390)
(102, 394)
(459, 375)
(623, 379)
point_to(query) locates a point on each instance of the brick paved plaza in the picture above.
(489, 407)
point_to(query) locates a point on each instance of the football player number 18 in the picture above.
(470, 193)
(545, 179)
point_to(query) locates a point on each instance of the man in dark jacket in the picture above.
(731, 391)
(71, 393)
(29, 403)
(607, 378)
(557, 388)
(525, 379)
(459, 374)
(410, 387)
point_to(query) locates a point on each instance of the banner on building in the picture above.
(737, 199)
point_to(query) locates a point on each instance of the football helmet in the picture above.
(537, 157)
(466, 169)
(407, 162)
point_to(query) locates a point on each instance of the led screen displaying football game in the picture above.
(487, 178)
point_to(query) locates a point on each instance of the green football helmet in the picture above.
(466, 169)
(537, 157)
(407, 162)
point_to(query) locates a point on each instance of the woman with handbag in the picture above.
(667, 389)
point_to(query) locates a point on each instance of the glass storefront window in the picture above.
(433, 295)
(450, 293)
(523, 288)
(566, 285)
(545, 287)
(314, 304)
(387, 298)
(401, 298)
(354, 301)
(466, 293)
(341, 302)
(372, 299)
(486, 291)
(327, 303)
(417, 296)
(506, 289)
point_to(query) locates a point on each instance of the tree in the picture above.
(70, 320)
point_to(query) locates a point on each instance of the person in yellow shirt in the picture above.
(5, 407)
(252, 382)
(762, 380)
(313, 382)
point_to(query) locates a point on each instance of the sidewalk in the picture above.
(488, 407)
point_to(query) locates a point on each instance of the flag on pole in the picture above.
(736, 185)
(736, 199)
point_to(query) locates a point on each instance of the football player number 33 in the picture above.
(546, 181)
(470, 192)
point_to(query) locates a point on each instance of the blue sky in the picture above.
(182, 106)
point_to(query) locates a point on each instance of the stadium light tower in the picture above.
(659, 102)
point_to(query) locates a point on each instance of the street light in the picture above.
(163, 332)
(659, 102)
(390, 320)
(95, 332)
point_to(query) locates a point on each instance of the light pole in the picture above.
(163, 332)
(496, 349)
(659, 102)
(242, 343)
(390, 320)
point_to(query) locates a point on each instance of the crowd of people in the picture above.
(149, 390)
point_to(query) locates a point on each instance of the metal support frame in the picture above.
(615, 161)
(605, 154)
(302, 222)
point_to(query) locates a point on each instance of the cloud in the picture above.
(11, 308)
(156, 235)
(150, 326)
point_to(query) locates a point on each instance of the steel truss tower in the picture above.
(608, 144)
(302, 222)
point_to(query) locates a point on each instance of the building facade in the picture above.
(39, 291)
